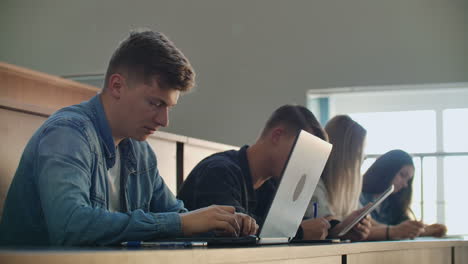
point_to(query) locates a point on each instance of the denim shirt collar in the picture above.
(102, 125)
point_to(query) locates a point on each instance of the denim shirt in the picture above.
(59, 194)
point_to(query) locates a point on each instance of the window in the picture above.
(412, 131)
(455, 123)
(431, 123)
(456, 182)
(455, 130)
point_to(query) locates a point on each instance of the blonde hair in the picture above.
(343, 179)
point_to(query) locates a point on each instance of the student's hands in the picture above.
(359, 232)
(248, 225)
(407, 229)
(436, 230)
(212, 218)
(315, 228)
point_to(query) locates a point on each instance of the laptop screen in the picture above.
(300, 176)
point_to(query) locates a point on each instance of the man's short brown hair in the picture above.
(148, 54)
(294, 118)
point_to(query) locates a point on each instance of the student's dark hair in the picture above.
(380, 176)
(146, 54)
(294, 118)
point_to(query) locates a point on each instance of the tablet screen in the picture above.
(376, 203)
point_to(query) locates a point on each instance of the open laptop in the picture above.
(300, 176)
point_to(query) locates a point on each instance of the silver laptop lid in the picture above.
(300, 177)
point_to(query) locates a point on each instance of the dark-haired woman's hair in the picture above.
(380, 176)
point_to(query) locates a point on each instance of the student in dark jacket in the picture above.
(246, 178)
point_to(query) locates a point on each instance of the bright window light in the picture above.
(456, 182)
(455, 130)
(412, 131)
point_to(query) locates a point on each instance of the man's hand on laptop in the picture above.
(212, 218)
(315, 228)
(247, 224)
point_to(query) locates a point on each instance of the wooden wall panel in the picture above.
(16, 129)
(167, 161)
(39, 89)
(196, 150)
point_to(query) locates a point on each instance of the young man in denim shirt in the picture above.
(87, 176)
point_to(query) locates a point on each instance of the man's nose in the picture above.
(162, 117)
(405, 184)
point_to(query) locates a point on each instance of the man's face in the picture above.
(281, 154)
(144, 108)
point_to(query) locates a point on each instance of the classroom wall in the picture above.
(250, 56)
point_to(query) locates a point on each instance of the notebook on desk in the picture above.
(300, 176)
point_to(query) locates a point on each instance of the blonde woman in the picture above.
(336, 197)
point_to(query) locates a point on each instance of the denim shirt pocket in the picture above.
(140, 190)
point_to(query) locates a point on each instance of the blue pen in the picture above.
(315, 209)
(164, 244)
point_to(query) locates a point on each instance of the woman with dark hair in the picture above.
(394, 214)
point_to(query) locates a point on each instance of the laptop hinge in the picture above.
(274, 240)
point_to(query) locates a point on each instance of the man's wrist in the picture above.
(331, 232)
(333, 223)
(299, 234)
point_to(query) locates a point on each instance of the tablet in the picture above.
(376, 203)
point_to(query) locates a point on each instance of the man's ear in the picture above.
(115, 84)
(276, 134)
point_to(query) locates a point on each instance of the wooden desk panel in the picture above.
(369, 252)
(427, 256)
(461, 254)
(317, 260)
(226, 256)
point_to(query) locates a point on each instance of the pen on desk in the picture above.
(315, 209)
(185, 244)
(414, 215)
